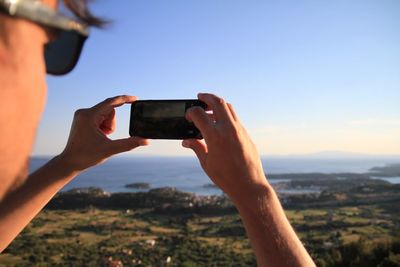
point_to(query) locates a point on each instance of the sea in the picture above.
(185, 173)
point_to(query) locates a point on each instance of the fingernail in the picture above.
(187, 114)
(145, 143)
(185, 143)
(142, 141)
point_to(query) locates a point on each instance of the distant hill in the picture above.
(388, 170)
(336, 155)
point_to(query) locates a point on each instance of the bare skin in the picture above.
(23, 90)
(231, 160)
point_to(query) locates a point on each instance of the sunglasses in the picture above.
(61, 54)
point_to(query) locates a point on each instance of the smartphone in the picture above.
(163, 119)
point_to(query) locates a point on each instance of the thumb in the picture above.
(126, 144)
(201, 120)
(199, 147)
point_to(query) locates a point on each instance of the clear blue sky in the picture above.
(304, 76)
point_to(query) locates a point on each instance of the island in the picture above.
(141, 185)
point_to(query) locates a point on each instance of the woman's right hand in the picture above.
(227, 154)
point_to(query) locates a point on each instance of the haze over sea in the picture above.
(185, 173)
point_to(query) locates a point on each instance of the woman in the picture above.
(227, 154)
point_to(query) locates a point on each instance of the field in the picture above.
(143, 237)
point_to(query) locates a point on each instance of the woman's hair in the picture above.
(80, 9)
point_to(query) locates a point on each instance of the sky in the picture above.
(303, 76)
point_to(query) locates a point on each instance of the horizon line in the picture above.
(322, 154)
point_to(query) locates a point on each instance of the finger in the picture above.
(107, 126)
(200, 119)
(114, 102)
(218, 105)
(232, 111)
(199, 148)
(126, 144)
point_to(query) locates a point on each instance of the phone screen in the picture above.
(163, 110)
(163, 119)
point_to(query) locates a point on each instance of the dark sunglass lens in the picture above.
(62, 54)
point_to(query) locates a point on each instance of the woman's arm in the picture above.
(88, 145)
(231, 160)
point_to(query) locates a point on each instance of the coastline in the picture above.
(284, 184)
(185, 174)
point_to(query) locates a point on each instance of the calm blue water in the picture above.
(185, 173)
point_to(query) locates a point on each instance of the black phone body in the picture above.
(163, 119)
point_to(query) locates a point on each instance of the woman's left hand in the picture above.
(88, 144)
